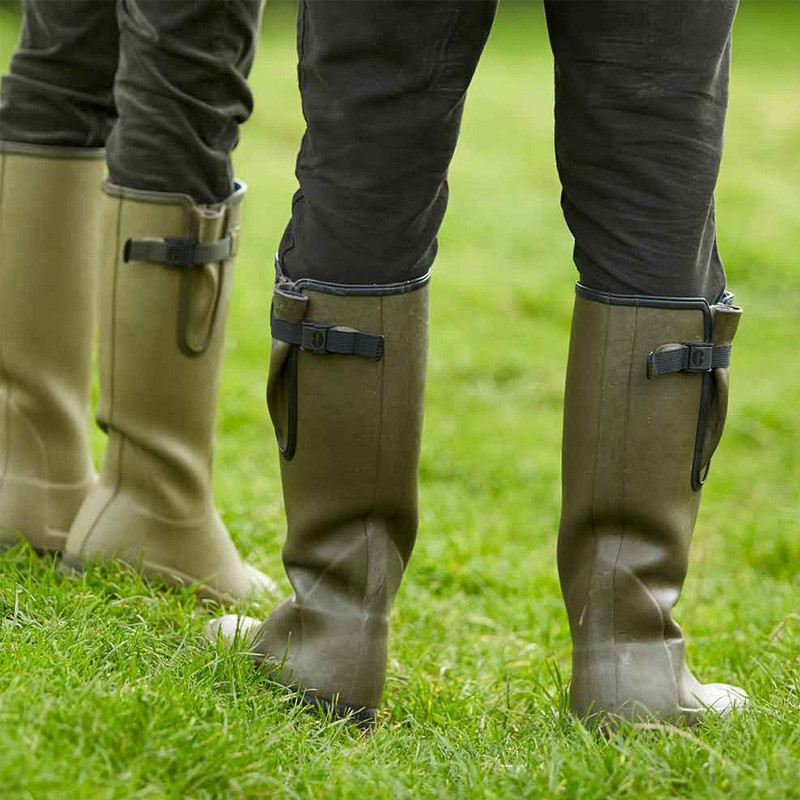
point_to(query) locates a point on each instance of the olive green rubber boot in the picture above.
(49, 248)
(646, 398)
(163, 306)
(346, 390)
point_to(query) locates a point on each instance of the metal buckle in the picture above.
(314, 337)
(701, 355)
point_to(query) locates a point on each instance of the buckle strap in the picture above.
(315, 337)
(695, 357)
(178, 253)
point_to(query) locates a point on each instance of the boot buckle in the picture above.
(314, 337)
(692, 357)
(700, 357)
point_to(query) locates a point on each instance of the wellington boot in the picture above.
(646, 398)
(345, 391)
(50, 201)
(163, 307)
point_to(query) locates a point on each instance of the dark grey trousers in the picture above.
(641, 96)
(162, 84)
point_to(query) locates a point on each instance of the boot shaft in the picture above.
(356, 451)
(645, 404)
(164, 301)
(162, 322)
(49, 249)
(346, 390)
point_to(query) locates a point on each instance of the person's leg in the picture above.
(383, 88)
(641, 97)
(56, 108)
(173, 217)
(182, 93)
(59, 88)
(641, 94)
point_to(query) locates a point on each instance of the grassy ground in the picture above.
(107, 689)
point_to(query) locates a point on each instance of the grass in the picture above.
(107, 688)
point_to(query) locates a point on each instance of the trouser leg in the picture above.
(59, 90)
(641, 96)
(181, 93)
(383, 88)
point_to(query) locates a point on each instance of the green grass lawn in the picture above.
(107, 687)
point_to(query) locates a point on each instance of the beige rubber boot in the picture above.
(49, 247)
(346, 390)
(647, 394)
(163, 307)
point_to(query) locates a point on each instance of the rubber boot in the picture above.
(49, 248)
(345, 391)
(646, 398)
(163, 308)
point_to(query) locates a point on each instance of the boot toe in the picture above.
(722, 699)
(259, 583)
(232, 628)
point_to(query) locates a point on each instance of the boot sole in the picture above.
(75, 567)
(51, 542)
(364, 718)
(603, 719)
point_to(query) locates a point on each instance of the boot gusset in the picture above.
(646, 376)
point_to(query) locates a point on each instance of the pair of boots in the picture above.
(646, 399)
(161, 269)
(647, 389)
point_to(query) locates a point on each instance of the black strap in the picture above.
(178, 253)
(317, 338)
(689, 357)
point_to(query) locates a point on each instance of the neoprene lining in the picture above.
(326, 287)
